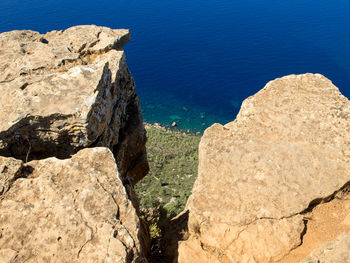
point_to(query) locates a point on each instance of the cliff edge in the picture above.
(273, 185)
(72, 145)
(68, 90)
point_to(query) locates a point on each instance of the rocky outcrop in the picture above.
(69, 90)
(73, 210)
(262, 175)
(72, 145)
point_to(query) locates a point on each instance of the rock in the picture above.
(174, 124)
(10, 170)
(72, 210)
(175, 117)
(260, 175)
(62, 92)
(336, 251)
(68, 90)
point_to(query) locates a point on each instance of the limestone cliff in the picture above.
(265, 178)
(72, 144)
(73, 210)
(273, 185)
(68, 90)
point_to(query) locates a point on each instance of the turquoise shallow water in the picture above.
(195, 61)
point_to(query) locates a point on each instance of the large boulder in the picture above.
(67, 90)
(262, 175)
(72, 210)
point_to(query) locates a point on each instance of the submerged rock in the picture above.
(175, 117)
(68, 90)
(73, 210)
(260, 175)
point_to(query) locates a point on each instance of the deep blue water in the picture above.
(195, 61)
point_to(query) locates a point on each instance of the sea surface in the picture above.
(193, 61)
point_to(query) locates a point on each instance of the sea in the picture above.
(194, 62)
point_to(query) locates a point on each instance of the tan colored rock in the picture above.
(73, 210)
(336, 251)
(10, 170)
(325, 222)
(68, 90)
(260, 175)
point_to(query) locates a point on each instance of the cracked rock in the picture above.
(286, 152)
(68, 90)
(72, 210)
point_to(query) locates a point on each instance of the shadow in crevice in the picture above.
(25, 141)
(344, 189)
(176, 231)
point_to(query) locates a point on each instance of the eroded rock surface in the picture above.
(72, 210)
(68, 90)
(259, 176)
(336, 251)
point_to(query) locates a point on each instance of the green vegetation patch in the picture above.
(173, 160)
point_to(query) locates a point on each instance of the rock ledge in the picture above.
(68, 90)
